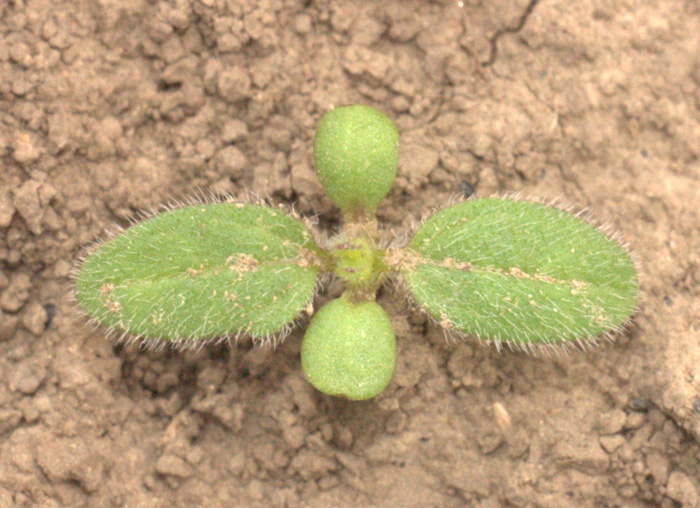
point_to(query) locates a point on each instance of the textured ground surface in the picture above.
(108, 107)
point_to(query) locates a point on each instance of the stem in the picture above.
(357, 259)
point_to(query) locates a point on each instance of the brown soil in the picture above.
(109, 107)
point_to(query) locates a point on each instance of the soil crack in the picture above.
(493, 54)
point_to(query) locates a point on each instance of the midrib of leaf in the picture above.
(153, 279)
(210, 268)
(492, 240)
(514, 272)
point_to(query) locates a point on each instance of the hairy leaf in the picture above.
(349, 349)
(520, 272)
(202, 271)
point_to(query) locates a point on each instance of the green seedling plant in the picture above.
(507, 271)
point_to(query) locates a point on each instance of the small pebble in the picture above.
(659, 466)
(612, 422)
(256, 489)
(396, 422)
(173, 465)
(258, 360)
(237, 463)
(22, 345)
(25, 148)
(27, 377)
(327, 431)
(72, 460)
(149, 482)
(13, 258)
(231, 162)
(294, 436)
(62, 268)
(210, 378)
(170, 406)
(9, 419)
(627, 453)
(228, 43)
(8, 325)
(635, 420)
(49, 30)
(611, 443)
(21, 55)
(35, 318)
(344, 437)
(205, 147)
(629, 490)
(233, 131)
(490, 442)
(639, 404)
(302, 24)
(195, 455)
(7, 209)
(234, 84)
(16, 294)
(30, 412)
(681, 488)
(166, 381)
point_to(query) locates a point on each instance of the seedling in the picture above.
(507, 271)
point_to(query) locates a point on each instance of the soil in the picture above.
(110, 107)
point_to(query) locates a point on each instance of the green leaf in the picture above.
(349, 349)
(202, 271)
(519, 272)
(356, 153)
